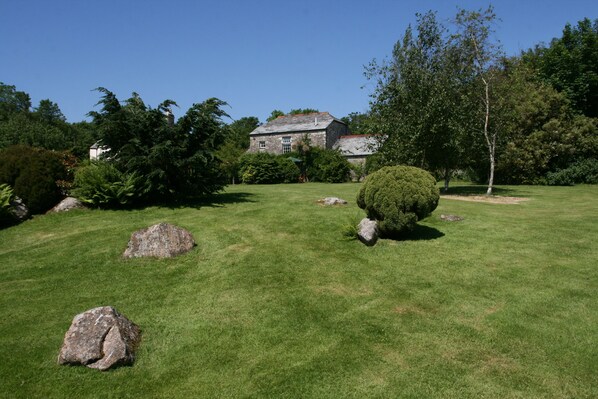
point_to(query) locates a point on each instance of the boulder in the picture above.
(161, 240)
(367, 231)
(332, 201)
(100, 338)
(18, 209)
(67, 204)
(451, 218)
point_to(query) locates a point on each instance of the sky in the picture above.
(257, 55)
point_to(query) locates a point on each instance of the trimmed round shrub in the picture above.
(398, 197)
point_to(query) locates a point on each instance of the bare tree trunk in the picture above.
(447, 177)
(490, 142)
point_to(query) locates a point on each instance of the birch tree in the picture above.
(480, 57)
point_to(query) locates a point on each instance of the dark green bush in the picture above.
(266, 168)
(398, 197)
(33, 173)
(102, 185)
(585, 171)
(328, 166)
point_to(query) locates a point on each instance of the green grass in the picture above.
(275, 302)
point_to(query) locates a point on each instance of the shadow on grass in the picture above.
(419, 233)
(213, 200)
(477, 190)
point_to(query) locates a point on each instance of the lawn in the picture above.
(275, 302)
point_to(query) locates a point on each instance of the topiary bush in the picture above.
(398, 197)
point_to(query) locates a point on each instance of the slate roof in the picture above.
(297, 123)
(356, 145)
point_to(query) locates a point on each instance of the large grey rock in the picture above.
(67, 204)
(100, 338)
(367, 231)
(333, 201)
(161, 240)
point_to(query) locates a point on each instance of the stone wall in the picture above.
(273, 142)
(334, 132)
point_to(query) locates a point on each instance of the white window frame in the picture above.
(262, 145)
(286, 144)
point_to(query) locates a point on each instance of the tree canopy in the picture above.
(172, 160)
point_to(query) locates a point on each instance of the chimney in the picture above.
(169, 117)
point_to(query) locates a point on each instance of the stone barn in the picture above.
(279, 135)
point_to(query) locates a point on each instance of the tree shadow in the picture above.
(217, 200)
(478, 190)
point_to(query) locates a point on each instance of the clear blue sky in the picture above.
(256, 55)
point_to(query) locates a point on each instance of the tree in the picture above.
(49, 112)
(299, 111)
(480, 56)
(358, 123)
(240, 129)
(173, 160)
(417, 108)
(570, 65)
(12, 101)
(275, 114)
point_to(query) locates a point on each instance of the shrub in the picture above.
(585, 171)
(33, 173)
(6, 196)
(328, 166)
(398, 197)
(266, 168)
(102, 185)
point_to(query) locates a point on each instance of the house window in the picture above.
(286, 145)
(262, 145)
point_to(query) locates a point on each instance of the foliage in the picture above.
(49, 112)
(570, 65)
(12, 101)
(6, 197)
(420, 108)
(350, 229)
(264, 168)
(329, 166)
(585, 171)
(398, 197)
(359, 123)
(45, 127)
(101, 184)
(172, 160)
(276, 113)
(33, 173)
(235, 145)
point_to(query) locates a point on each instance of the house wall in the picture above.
(334, 132)
(274, 141)
(94, 153)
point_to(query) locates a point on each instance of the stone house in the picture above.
(324, 130)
